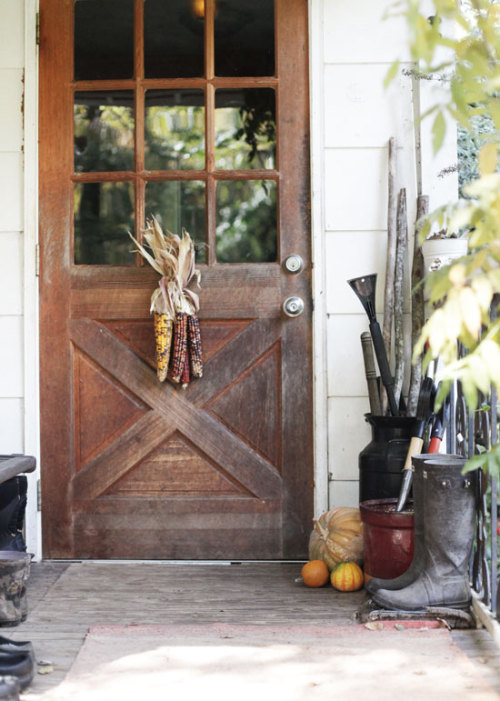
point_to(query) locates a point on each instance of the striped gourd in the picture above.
(179, 347)
(163, 327)
(347, 576)
(195, 348)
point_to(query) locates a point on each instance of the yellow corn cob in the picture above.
(163, 340)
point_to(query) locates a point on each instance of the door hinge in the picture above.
(38, 495)
(37, 260)
(37, 29)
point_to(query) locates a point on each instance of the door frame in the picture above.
(31, 294)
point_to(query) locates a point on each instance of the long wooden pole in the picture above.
(417, 305)
(399, 274)
(391, 256)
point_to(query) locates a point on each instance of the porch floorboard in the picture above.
(65, 599)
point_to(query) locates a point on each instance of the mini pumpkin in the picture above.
(337, 536)
(315, 573)
(347, 576)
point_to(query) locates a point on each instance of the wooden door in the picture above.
(132, 468)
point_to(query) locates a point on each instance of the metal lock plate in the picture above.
(293, 264)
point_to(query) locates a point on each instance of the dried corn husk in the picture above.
(173, 257)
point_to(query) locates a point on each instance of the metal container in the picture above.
(381, 461)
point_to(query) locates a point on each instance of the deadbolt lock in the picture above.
(294, 264)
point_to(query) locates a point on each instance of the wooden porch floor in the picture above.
(64, 599)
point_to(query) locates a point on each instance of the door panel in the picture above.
(132, 468)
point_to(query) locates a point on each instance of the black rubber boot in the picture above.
(449, 517)
(9, 505)
(376, 583)
(9, 688)
(16, 526)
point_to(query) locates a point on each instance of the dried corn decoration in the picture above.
(174, 306)
(163, 327)
(194, 344)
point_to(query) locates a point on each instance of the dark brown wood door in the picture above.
(195, 112)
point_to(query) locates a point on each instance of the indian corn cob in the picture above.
(195, 348)
(163, 327)
(185, 370)
(179, 347)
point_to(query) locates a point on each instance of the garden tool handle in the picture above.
(415, 448)
(370, 374)
(434, 445)
(383, 365)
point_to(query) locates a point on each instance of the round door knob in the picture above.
(293, 306)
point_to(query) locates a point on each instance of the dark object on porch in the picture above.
(447, 500)
(381, 461)
(13, 498)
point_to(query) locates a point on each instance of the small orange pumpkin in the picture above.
(315, 573)
(347, 576)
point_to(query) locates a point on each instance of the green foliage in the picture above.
(460, 41)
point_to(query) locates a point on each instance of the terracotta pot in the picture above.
(387, 538)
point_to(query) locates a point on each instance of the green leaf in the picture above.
(391, 73)
(488, 159)
(438, 131)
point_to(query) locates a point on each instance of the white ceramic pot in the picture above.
(439, 252)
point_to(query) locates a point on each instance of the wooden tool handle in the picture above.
(416, 445)
(370, 373)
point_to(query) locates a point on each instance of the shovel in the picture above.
(364, 287)
(438, 426)
(425, 408)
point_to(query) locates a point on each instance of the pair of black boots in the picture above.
(17, 667)
(444, 519)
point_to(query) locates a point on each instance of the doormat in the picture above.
(377, 661)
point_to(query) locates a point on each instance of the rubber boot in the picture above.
(17, 524)
(14, 573)
(449, 517)
(9, 505)
(375, 583)
(9, 688)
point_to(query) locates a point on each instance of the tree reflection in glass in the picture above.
(245, 128)
(104, 131)
(246, 221)
(103, 216)
(174, 130)
(177, 204)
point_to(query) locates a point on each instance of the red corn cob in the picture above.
(185, 371)
(179, 347)
(195, 347)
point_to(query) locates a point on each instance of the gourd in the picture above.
(315, 573)
(337, 536)
(347, 576)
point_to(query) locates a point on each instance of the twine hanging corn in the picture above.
(195, 349)
(163, 327)
(173, 304)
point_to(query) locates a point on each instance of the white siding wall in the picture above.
(354, 118)
(11, 226)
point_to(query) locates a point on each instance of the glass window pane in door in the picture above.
(104, 131)
(103, 216)
(179, 204)
(174, 130)
(173, 39)
(245, 128)
(244, 38)
(246, 221)
(104, 39)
